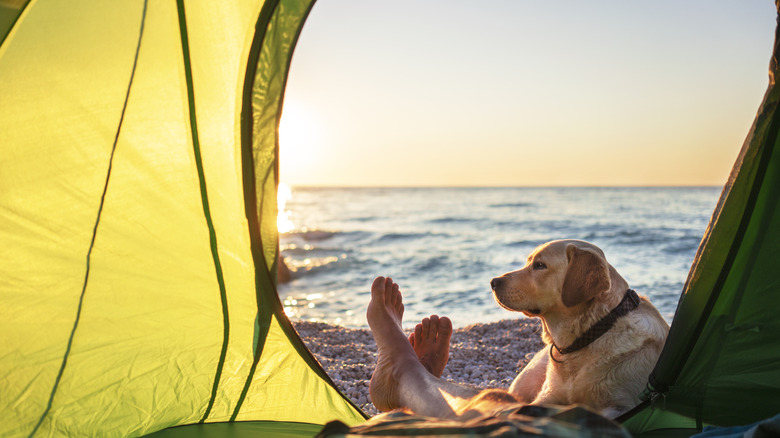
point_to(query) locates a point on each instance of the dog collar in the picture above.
(629, 302)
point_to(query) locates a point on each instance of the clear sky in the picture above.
(523, 92)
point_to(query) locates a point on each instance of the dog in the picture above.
(602, 339)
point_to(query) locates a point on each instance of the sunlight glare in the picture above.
(283, 222)
(300, 140)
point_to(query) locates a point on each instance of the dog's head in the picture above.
(558, 274)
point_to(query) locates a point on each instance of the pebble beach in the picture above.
(443, 245)
(481, 355)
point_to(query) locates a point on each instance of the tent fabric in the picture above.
(720, 363)
(138, 180)
(240, 429)
(9, 12)
(137, 272)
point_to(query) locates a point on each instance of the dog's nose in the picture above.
(495, 283)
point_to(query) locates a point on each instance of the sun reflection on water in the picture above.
(283, 222)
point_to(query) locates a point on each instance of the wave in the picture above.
(433, 264)
(320, 235)
(311, 251)
(683, 245)
(524, 244)
(314, 265)
(451, 219)
(405, 236)
(512, 205)
(363, 219)
(313, 235)
(643, 236)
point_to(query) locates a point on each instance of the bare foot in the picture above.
(394, 353)
(431, 343)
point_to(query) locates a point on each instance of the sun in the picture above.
(299, 146)
(300, 139)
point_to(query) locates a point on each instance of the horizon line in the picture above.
(430, 186)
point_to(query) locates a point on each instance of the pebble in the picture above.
(481, 355)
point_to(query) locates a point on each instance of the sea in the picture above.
(444, 245)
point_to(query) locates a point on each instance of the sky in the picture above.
(523, 92)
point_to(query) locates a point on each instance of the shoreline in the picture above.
(484, 355)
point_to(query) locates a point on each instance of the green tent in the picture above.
(138, 225)
(721, 361)
(138, 182)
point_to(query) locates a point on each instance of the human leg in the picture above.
(400, 380)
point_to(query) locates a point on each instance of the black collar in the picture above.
(629, 302)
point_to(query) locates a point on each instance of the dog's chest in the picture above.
(565, 371)
(572, 381)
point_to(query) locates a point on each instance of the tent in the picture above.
(138, 221)
(721, 361)
(138, 182)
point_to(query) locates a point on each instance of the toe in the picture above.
(426, 328)
(434, 325)
(445, 328)
(411, 339)
(396, 295)
(388, 286)
(418, 334)
(378, 285)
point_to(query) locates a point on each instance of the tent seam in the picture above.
(13, 25)
(205, 203)
(250, 191)
(95, 228)
(284, 322)
(264, 327)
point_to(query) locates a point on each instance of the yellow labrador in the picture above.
(602, 339)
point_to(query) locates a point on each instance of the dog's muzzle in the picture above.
(496, 284)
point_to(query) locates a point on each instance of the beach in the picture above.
(481, 355)
(444, 245)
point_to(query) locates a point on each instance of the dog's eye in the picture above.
(539, 265)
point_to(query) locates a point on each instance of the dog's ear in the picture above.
(586, 276)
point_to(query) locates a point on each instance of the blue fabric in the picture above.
(762, 429)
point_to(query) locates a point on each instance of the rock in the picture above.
(283, 273)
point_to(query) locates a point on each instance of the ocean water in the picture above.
(444, 245)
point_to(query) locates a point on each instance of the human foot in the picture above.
(386, 305)
(431, 343)
(394, 353)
